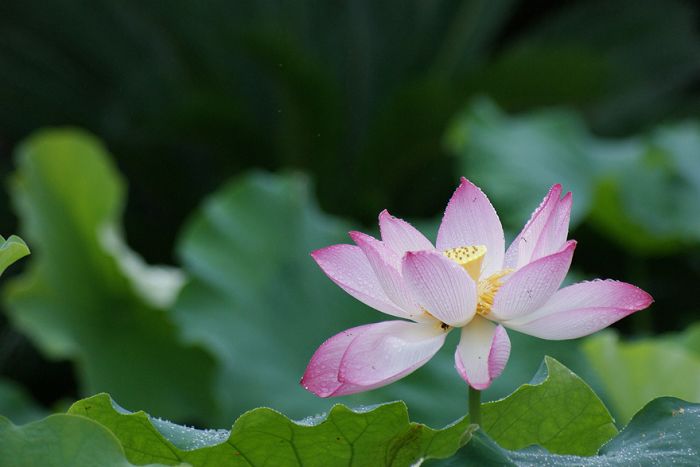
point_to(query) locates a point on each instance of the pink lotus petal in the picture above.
(389, 351)
(469, 220)
(545, 232)
(582, 309)
(321, 375)
(401, 236)
(386, 263)
(482, 353)
(347, 266)
(531, 286)
(441, 286)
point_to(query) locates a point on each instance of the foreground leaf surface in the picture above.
(665, 432)
(80, 298)
(378, 436)
(59, 441)
(557, 411)
(633, 373)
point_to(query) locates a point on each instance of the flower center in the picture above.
(471, 259)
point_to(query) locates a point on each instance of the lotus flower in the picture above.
(467, 281)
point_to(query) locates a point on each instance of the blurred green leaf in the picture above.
(83, 296)
(11, 250)
(664, 432)
(557, 411)
(16, 405)
(60, 441)
(632, 373)
(381, 436)
(640, 191)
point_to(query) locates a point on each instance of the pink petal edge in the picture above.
(470, 219)
(528, 288)
(321, 375)
(498, 354)
(582, 309)
(386, 265)
(348, 267)
(541, 235)
(441, 286)
(401, 236)
(389, 351)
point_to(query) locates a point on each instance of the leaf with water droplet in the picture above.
(378, 436)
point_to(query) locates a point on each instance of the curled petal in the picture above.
(347, 266)
(482, 353)
(321, 375)
(401, 236)
(582, 309)
(545, 232)
(470, 220)
(386, 265)
(388, 351)
(441, 286)
(530, 287)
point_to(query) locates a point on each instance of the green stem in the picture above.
(474, 406)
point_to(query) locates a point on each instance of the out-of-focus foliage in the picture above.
(664, 432)
(16, 405)
(640, 191)
(78, 299)
(633, 373)
(358, 93)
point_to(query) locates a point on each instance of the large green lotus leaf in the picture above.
(11, 250)
(664, 432)
(640, 191)
(60, 441)
(377, 436)
(635, 372)
(86, 297)
(557, 410)
(259, 303)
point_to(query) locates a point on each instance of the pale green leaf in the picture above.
(632, 373)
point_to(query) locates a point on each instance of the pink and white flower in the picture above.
(468, 280)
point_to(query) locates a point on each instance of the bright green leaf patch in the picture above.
(377, 436)
(635, 372)
(557, 410)
(11, 250)
(665, 432)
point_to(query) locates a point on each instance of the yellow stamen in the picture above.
(469, 257)
(487, 289)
